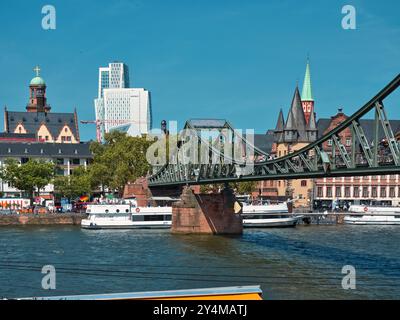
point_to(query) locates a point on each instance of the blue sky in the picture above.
(238, 60)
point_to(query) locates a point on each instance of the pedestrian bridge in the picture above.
(212, 151)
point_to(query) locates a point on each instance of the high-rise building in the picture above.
(119, 107)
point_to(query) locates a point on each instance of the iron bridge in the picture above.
(364, 157)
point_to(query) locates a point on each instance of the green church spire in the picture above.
(306, 94)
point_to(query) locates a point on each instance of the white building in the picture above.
(119, 107)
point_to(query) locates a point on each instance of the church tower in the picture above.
(37, 94)
(307, 100)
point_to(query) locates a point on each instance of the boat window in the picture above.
(126, 210)
(167, 218)
(397, 217)
(106, 210)
(117, 210)
(152, 218)
(137, 218)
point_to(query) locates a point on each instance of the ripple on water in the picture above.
(300, 263)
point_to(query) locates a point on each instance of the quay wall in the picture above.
(42, 219)
(330, 218)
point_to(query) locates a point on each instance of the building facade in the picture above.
(38, 133)
(47, 126)
(297, 131)
(66, 157)
(119, 107)
(340, 193)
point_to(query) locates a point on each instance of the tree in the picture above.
(74, 185)
(120, 159)
(28, 177)
(245, 187)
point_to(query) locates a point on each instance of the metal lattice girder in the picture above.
(363, 142)
(311, 161)
(393, 143)
(342, 150)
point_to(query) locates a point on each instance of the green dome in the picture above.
(37, 81)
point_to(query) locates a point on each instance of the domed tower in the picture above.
(37, 94)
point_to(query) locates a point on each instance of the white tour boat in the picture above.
(126, 216)
(373, 215)
(268, 215)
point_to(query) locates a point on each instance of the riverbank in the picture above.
(42, 219)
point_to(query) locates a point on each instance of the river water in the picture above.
(300, 263)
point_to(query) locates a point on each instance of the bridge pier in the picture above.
(206, 213)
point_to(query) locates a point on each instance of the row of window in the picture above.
(9, 150)
(358, 192)
(58, 161)
(283, 183)
(348, 142)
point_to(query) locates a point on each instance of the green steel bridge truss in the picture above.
(362, 158)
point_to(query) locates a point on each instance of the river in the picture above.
(299, 263)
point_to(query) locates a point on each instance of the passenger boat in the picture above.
(126, 216)
(224, 293)
(268, 215)
(368, 215)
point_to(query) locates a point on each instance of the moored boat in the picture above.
(125, 216)
(268, 215)
(370, 215)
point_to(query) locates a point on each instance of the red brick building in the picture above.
(343, 191)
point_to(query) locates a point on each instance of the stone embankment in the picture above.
(42, 219)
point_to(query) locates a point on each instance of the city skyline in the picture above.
(194, 65)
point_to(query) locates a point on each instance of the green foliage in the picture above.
(119, 160)
(74, 185)
(246, 187)
(29, 176)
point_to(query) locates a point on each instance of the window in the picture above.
(75, 161)
(392, 192)
(304, 183)
(374, 192)
(328, 192)
(348, 142)
(59, 161)
(338, 192)
(24, 160)
(347, 192)
(356, 192)
(320, 192)
(329, 142)
(365, 192)
(383, 192)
